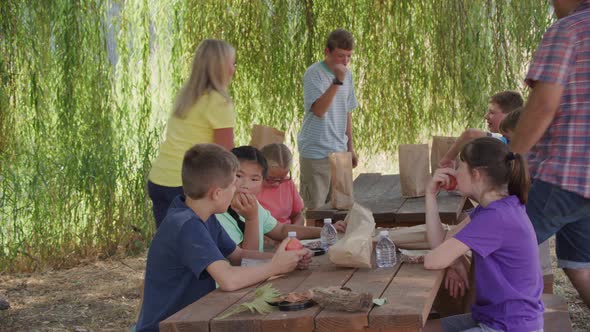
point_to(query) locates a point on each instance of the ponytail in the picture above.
(518, 179)
(501, 166)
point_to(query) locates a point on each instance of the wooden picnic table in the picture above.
(409, 289)
(381, 194)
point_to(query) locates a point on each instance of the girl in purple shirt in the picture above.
(508, 277)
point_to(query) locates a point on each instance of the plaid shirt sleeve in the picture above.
(554, 59)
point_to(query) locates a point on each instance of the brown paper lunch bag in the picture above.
(342, 196)
(414, 169)
(412, 238)
(356, 247)
(263, 135)
(440, 146)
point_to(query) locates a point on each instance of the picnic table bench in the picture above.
(409, 289)
(381, 193)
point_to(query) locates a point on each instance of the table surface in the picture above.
(409, 289)
(381, 194)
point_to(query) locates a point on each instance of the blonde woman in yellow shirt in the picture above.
(203, 113)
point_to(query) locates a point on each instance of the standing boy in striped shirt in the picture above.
(328, 93)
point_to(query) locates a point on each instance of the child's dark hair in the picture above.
(501, 165)
(205, 166)
(250, 153)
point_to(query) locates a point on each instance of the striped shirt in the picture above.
(562, 155)
(321, 136)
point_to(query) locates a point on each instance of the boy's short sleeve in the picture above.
(198, 249)
(483, 234)
(312, 88)
(352, 102)
(266, 219)
(555, 57)
(224, 242)
(297, 200)
(222, 113)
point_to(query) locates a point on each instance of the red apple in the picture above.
(294, 244)
(452, 185)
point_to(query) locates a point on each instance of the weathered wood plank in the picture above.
(247, 321)
(379, 193)
(414, 209)
(450, 206)
(196, 316)
(382, 195)
(303, 321)
(361, 186)
(394, 329)
(373, 281)
(365, 183)
(410, 296)
(548, 283)
(557, 317)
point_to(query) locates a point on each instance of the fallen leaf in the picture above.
(379, 302)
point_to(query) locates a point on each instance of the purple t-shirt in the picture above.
(508, 277)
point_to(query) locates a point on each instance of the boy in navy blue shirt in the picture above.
(191, 251)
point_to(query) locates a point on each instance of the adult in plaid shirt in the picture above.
(555, 130)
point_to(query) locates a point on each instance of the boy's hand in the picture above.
(340, 71)
(440, 178)
(305, 260)
(340, 226)
(355, 159)
(286, 261)
(246, 205)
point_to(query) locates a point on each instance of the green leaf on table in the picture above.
(379, 302)
(260, 305)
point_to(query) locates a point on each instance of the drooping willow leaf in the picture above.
(86, 88)
(263, 296)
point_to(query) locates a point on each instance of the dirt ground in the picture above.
(104, 296)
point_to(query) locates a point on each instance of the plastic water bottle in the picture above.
(385, 251)
(293, 243)
(328, 234)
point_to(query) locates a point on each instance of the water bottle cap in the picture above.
(384, 233)
(292, 234)
(327, 221)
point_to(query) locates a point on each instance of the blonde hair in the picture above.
(277, 155)
(209, 72)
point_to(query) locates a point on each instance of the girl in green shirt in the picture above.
(246, 221)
